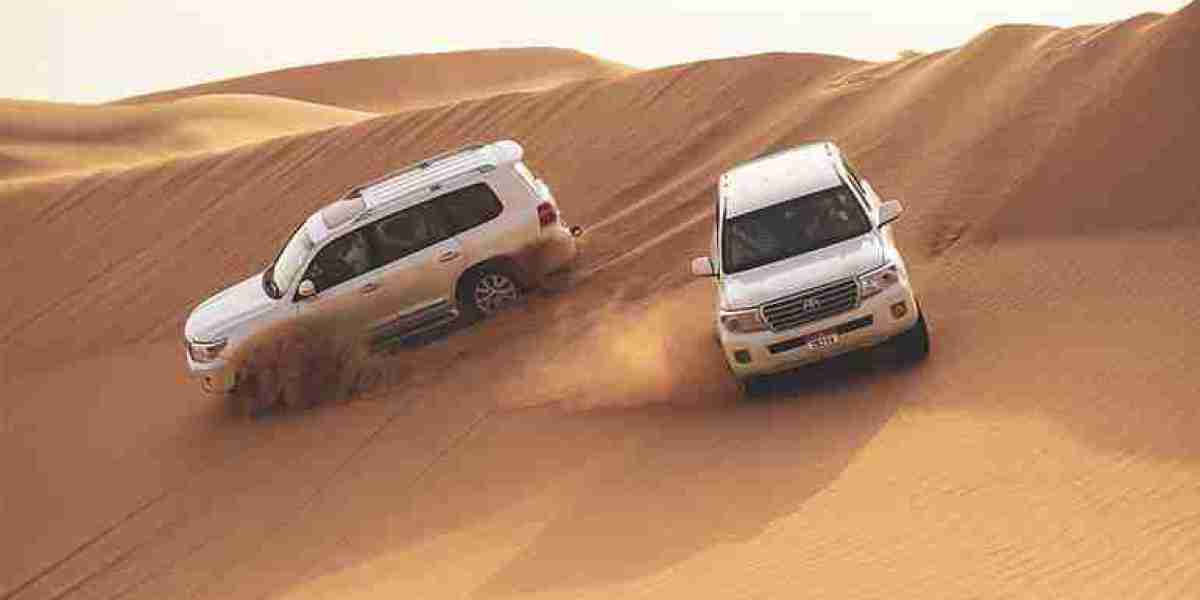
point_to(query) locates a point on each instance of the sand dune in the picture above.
(40, 139)
(588, 444)
(399, 83)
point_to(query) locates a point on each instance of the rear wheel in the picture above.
(487, 291)
(913, 345)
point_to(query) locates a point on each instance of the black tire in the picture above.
(485, 291)
(751, 387)
(236, 403)
(252, 397)
(913, 345)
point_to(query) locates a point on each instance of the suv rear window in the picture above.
(470, 207)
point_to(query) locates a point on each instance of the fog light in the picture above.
(742, 356)
(899, 309)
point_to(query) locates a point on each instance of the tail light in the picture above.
(547, 214)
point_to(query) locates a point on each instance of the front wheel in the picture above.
(751, 386)
(485, 292)
(913, 345)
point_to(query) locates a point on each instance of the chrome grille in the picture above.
(811, 305)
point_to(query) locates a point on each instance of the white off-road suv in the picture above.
(459, 234)
(805, 265)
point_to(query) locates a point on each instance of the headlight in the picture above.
(746, 321)
(878, 280)
(203, 352)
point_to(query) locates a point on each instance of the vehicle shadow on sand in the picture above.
(682, 481)
(610, 495)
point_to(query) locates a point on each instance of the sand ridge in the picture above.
(588, 443)
(398, 83)
(43, 139)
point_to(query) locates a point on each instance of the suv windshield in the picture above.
(291, 258)
(791, 227)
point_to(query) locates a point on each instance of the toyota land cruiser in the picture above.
(461, 234)
(805, 265)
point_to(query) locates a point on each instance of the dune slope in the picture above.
(588, 444)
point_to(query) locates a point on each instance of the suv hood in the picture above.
(749, 289)
(215, 317)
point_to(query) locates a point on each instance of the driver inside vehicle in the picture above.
(407, 232)
(833, 218)
(357, 257)
(343, 259)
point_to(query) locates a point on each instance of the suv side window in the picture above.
(470, 207)
(341, 260)
(407, 231)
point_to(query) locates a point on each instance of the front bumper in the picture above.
(215, 377)
(869, 324)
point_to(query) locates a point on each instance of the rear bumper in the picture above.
(557, 250)
(870, 324)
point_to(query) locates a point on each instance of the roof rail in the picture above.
(789, 148)
(423, 164)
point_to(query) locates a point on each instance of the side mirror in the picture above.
(307, 289)
(889, 211)
(702, 267)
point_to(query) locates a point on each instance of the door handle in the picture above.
(368, 288)
(448, 255)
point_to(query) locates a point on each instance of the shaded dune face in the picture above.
(588, 443)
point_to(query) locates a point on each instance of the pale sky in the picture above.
(97, 50)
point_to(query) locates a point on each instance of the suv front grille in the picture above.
(811, 305)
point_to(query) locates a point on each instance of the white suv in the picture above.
(459, 234)
(805, 265)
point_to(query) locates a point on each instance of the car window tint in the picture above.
(342, 259)
(407, 231)
(790, 228)
(470, 206)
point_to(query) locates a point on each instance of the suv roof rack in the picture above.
(423, 164)
(789, 148)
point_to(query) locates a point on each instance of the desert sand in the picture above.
(588, 444)
(44, 139)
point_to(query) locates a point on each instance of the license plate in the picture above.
(822, 340)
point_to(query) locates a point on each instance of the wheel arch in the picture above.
(503, 264)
